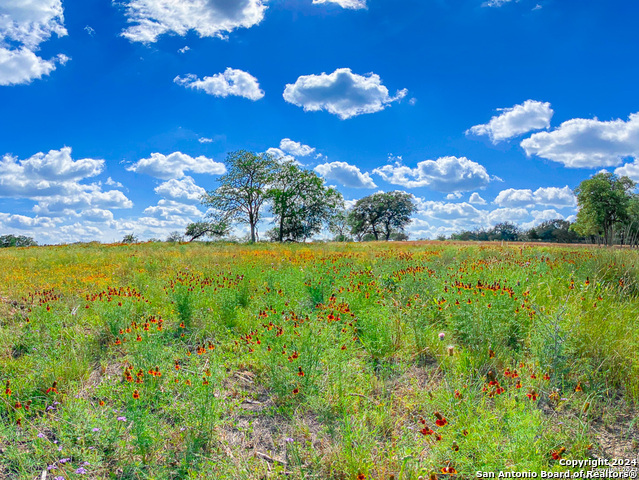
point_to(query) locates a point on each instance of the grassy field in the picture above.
(357, 361)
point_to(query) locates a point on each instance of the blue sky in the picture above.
(116, 116)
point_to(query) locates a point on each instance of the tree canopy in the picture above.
(382, 214)
(604, 202)
(243, 189)
(300, 202)
(16, 241)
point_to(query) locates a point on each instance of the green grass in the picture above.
(314, 361)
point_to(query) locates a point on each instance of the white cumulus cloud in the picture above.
(167, 167)
(169, 210)
(501, 215)
(540, 216)
(352, 4)
(587, 143)
(31, 22)
(90, 198)
(342, 93)
(209, 18)
(476, 199)
(551, 196)
(446, 174)
(448, 211)
(45, 174)
(629, 170)
(22, 222)
(22, 66)
(24, 25)
(185, 190)
(232, 82)
(530, 115)
(296, 149)
(345, 174)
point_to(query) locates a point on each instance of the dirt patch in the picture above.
(620, 438)
(9, 308)
(257, 429)
(98, 375)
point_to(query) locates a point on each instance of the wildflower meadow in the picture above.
(315, 361)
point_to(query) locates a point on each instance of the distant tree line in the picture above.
(553, 231)
(16, 241)
(608, 214)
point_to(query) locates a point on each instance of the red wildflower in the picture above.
(441, 421)
(556, 454)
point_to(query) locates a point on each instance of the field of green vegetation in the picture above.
(323, 361)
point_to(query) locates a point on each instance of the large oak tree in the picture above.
(243, 189)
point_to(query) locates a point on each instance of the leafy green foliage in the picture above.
(16, 241)
(130, 238)
(603, 201)
(301, 203)
(243, 189)
(381, 214)
(217, 228)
